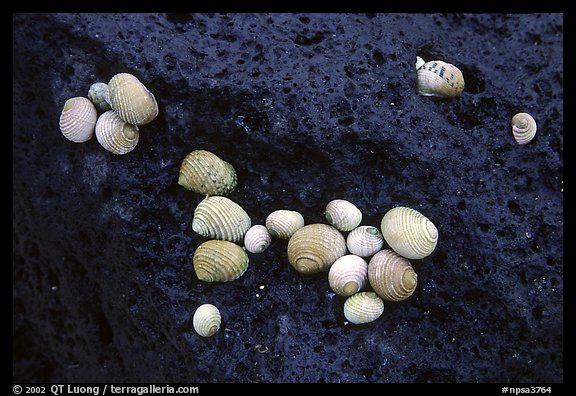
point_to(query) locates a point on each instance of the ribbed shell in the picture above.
(221, 218)
(409, 232)
(363, 307)
(206, 320)
(343, 215)
(205, 173)
(98, 94)
(438, 78)
(348, 275)
(78, 119)
(364, 241)
(315, 247)
(391, 276)
(131, 99)
(115, 135)
(219, 261)
(284, 223)
(257, 239)
(523, 128)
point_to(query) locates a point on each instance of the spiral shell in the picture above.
(115, 135)
(98, 94)
(315, 247)
(131, 99)
(284, 223)
(219, 261)
(348, 275)
(78, 119)
(438, 78)
(221, 218)
(205, 173)
(391, 276)
(409, 232)
(206, 320)
(343, 215)
(363, 307)
(523, 128)
(364, 241)
(257, 239)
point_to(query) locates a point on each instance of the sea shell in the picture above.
(343, 215)
(284, 223)
(205, 173)
(363, 307)
(98, 94)
(221, 218)
(131, 99)
(78, 119)
(315, 247)
(206, 320)
(348, 275)
(115, 135)
(219, 261)
(438, 78)
(391, 276)
(409, 232)
(257, 239)
(523, 128)
(364, 241)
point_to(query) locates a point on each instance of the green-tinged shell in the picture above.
(363, 307)
(78, 119)
(343, 215)
(205, 173)
(257, 239)
(115, 135)
(523, 128)
(348, 275)
(391, 276)
(219, 261)
(206, 320)
(284, 223)
(98, 94)
(364, 241)
(131, 99)
(221, 218)
(438, 78)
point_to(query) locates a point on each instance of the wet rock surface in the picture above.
(307, 108)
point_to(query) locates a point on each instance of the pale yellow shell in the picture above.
(219, 261)
(221, 218)
(343, 215)
(78, 119)
(363, 307)
(364, 241)
(115, 135)
(348, 275)
(284, 223)
(523, 128)
(438, 78)
(391, 275)
(98, 94)
(131, 99)
(206, 320)
(257, 239)
(409, 232)
(205, 173)
(315, 247)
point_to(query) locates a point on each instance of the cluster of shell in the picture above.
(125, 104)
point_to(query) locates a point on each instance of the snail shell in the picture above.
(205, 173)
(343, 215)
(315, 247)
(438, 78)
(78, 119)
(348, 275)
(523, 128)
(257, 239)
(206, 320)
(221, 218)
(363, 307)
(98, 94)
(409, 232)
(284, 223)
(131, 99)
(391, 275)
(364, 241)
(219, 261)
(115, 135)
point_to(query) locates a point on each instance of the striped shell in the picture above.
(315, 247)
(284, 223)
(115, 135)
(343, 215)
(363, 307)
(78, 119)
(391, 276)
(257, 239)
(98, 94)
(364, 241)
(348, 275)
(219, 261)
(205, 173)
(409, 232)
(221, 218)
(523, 128)
(206, 320)
(438, 78)
(131, 99)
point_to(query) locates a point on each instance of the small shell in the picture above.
(257, 239)
(284, 223)
(315, 247)
(523, 128)
(115, 135)
(219, 261)
(409, 232)
(438, 78)
(221, 218)
(206, 320)
(205, 173)
(348, 275)
(363, 307)
(131, 99)
(78, 119)
(343, 215)
(98, 94)
(364, 241)
(391, 276)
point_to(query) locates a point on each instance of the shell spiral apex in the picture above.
(523, 128)
(206, 320)
(257, 239)
(348, 275)
(391, 276)
(115, 135)
(284, 223)
(364, 241)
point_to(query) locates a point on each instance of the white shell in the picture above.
(343, 215)
(206, 320)
(284, 223)
(257, 239)
(348, 275)
(523, 128)
(363, 307)
(115, 135)
(78, 119)
(438, 78)
(364, 241)
(134, 103)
